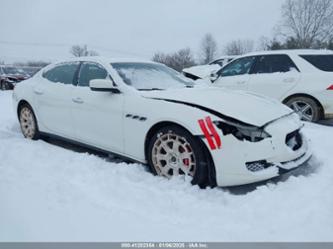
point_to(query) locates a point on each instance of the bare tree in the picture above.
(264, 43)
(93, 53)
(79, 51)
(179, 60)
(208, 49)
(32, 64)
(308, 22)
(160, 57)
(239, 47)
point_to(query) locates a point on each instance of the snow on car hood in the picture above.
(202, 71)
(247, 107)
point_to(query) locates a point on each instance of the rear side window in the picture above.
(91, 71)
(63, 73)
(274, 64)
(322, 62)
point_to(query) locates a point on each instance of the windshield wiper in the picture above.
(150, 89)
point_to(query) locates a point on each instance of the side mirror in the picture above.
(100, 85)
(213, 76)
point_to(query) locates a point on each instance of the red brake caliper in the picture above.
(186, 162)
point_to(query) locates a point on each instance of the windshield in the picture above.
(149, 76)
(10, 70)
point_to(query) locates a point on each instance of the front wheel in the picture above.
(28, 123)
(306, 108)
(3, 86)
(173, 151)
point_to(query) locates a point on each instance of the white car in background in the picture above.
(301, 79)
(150, 113)
(204, 71)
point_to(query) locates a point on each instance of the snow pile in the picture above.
(49, 193)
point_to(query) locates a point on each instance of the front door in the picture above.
(98, 116)
(236, 74)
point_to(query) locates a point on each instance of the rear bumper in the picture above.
(326, 100)
(328, 115)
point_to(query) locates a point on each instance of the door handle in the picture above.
(241, 82)
(289, 80)
(77, 100)
(38, 91)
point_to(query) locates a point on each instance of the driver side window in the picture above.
(238, 67)
(91, 71)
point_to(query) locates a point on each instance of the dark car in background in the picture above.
(10, 76)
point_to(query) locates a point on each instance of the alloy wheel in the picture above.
(303, 109)
(172, 155)
(27, 122)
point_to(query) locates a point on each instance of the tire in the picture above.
(28, 122)
(3, 86)
(306, 108)
(174, 151)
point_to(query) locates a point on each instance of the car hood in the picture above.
(202, 71)
(244, 106)
(16, 76)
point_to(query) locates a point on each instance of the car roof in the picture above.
(292, 52)
(226, 57)
(102, 59)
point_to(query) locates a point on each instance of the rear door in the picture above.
(273, 75)
(235, 75)
(53, 95)
(98, 116)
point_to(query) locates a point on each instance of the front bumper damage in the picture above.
(243, 162)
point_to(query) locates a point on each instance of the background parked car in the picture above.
(301, 79)
(29, 71)
(204, 71)
(10, 76)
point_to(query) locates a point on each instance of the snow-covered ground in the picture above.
(51, 193)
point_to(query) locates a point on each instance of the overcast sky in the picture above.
(46, 29)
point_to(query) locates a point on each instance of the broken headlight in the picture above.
(242, 131)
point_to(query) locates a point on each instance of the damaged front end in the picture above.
(242, 132)
(252, 154)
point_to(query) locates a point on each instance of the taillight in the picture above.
(330, 87)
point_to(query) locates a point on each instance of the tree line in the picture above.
(305, 24)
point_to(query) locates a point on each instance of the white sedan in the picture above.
(149, 113)
(301, 79)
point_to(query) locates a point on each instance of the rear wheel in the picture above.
(28, 122)
(306, 108)
(173, 151)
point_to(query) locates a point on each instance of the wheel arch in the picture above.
(161, 124)
(306, 96)
(20, 104)
(155, 128)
